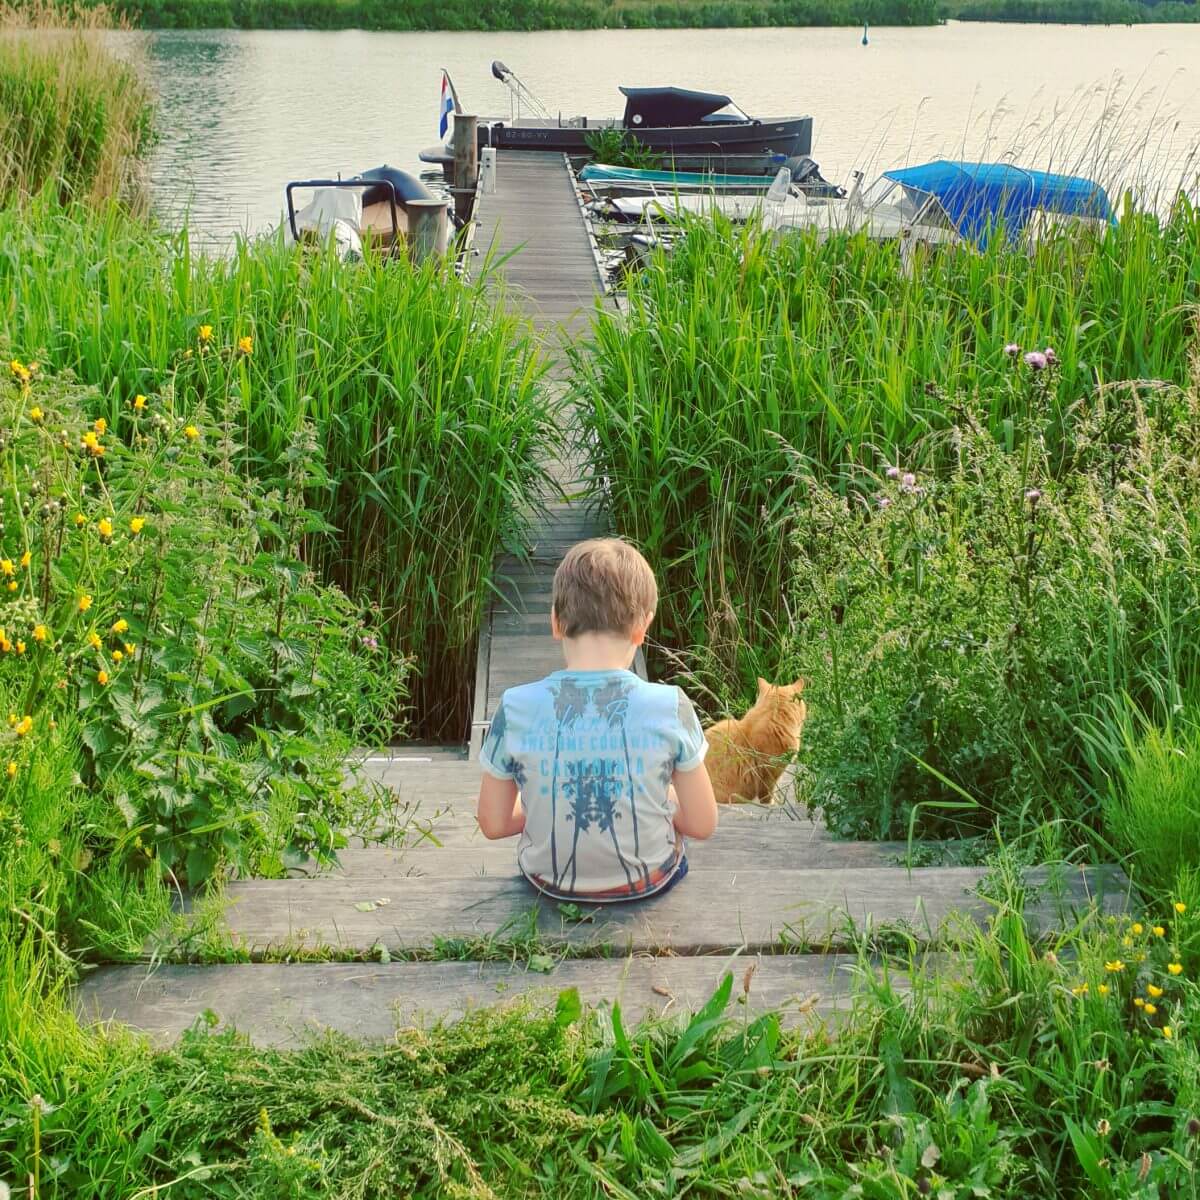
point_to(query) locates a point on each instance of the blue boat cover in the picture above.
(978, 197)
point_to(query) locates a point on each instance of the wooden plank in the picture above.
(460, 852)
(711, 911)
(283, 1004)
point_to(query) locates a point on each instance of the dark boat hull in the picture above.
(788, 137)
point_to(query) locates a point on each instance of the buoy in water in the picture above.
(866, 40)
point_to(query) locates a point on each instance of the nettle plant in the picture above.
(963, 619)
(160, 593)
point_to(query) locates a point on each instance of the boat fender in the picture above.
(408, 187)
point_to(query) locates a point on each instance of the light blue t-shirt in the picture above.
(592, 753)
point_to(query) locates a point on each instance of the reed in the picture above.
(740, 355)
(74, 119)
(423, 393)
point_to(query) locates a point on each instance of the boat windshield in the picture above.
(730, 112)
(912, 205)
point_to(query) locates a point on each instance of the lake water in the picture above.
(241, 113)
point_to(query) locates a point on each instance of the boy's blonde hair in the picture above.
(603, 586)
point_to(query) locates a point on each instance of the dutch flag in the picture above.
(447, 106)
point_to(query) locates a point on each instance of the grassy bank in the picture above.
(421, 394)
(1078, 12)
(743, 413)
(72, 120)
(495, 15)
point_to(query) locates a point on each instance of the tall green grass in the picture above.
(423, 393)
(74, 120)
(740, 356)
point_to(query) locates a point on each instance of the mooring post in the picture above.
(427, 229)
(466, 163)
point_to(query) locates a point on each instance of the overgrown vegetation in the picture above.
(73, 120)
(420, 391)
(1068, 1071)
(982, 619)
(521, 14)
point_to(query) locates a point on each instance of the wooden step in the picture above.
(714, 910)
(279, 1004)
(460, 851)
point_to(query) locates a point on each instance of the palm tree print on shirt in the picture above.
(593, 790)
(570, 703)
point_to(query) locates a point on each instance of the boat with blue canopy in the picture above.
(977, 199)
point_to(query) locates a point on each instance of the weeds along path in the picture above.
(445, 924)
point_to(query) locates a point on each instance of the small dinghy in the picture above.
(373, 208)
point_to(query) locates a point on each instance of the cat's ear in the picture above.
(798, 686)
(763, 687)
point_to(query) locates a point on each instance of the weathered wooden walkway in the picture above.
(767, 891)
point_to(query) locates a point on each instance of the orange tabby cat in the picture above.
(746, 757)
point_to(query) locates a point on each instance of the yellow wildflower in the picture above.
(5, 644)
(85, 602)
(12, 585)
(80, 520)
(246, 345)
(139, 402)
(101, 425)
(6, 566)
(91, 443)
(1175, 968)
(20, 370)
(101, 677)
(1167, 1032)
(1127, 941)
(40, 633)
(36, 415)
(20, 647)
(1149, 1009)
(1080, 989)
(191, 432)
(94, 640)
(1136, 927)
(206, 333)
(1158, 931)
(1114, 966)
(12, 770)
(130, 649)
(1138, 1002)
(1180, 907)
(26, 558)
(137, 524)
(120, 626)
(12, 718)
(1103, 989)
(1153, 990)
(117, 656)
(105, 527)
(24, 726)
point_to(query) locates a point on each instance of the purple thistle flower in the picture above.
(909, 480)
(1012, 349)
(883, 501)
(370, 643)
(1051, 356)
(893, 472)
(1033, 495)
(1035, 360)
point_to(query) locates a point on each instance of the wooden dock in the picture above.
(533, 227)
(767, 891)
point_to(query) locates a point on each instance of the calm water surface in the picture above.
(241, 113)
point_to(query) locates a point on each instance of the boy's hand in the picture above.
(696, 816)
(499, 810)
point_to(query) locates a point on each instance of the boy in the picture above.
(600, 773)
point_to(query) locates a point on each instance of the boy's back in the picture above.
(593, 753)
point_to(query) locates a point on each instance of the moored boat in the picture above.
(669, 120)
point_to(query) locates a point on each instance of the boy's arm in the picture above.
(499, 810)
(696, 816)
